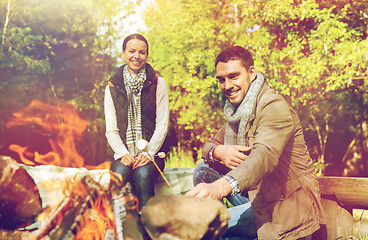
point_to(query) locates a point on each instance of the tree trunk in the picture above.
(322, 139)
(356, 156)
(5, 26)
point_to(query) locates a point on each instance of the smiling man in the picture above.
(258, 160)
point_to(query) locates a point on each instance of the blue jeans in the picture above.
(142, 178)
(242, 225)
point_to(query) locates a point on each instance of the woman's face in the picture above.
(135, 55)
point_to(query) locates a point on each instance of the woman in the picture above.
(136, 107)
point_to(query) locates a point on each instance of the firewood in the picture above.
(63, 222)
(20, 201)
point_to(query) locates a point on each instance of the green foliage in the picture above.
(184, 42)
(60, 50)
(319, 167)
(309, 51)
(312, 52)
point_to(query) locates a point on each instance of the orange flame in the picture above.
(64, 126)
(61, 122)
(97, 220)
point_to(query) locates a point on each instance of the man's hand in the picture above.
(216, 190)
(231, 155)
(141, 160)
(127, 159)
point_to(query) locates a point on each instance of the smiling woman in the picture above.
(136, 107)
(135, 53)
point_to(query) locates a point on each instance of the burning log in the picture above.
(126, 208)
(10, 234)
(89, 211)
(78, 214)
(20, 201)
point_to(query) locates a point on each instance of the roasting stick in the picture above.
(142, 145)
(164, 176)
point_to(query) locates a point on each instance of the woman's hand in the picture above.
(127, 159)
(141, 160)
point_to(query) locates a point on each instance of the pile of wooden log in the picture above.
(90, 210)
(86, 212)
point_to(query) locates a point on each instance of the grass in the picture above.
(178, 158)
(360, 224)
(360, 214)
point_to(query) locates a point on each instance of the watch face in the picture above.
(236, 189)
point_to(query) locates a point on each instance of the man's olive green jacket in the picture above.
(279, 173)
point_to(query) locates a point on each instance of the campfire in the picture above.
(85, 210)
(84, 213)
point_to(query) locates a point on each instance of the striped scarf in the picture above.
(133, 87)
(237, 117)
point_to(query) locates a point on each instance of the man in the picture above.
(260, 152)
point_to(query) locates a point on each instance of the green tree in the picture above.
(315, 51)
(309, 50)
(57, 51)
(185, 41)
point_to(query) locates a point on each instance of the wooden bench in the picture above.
(340, 195)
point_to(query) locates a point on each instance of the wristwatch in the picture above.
(233, 183)
(210, 158)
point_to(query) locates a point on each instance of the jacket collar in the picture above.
(117, 80)
(264, 89)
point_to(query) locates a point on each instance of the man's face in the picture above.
(234, 80)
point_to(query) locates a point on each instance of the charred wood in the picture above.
(126, 208)
(64, 222)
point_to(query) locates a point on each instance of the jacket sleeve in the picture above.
(216, 139)
(269, 133)
(162, 117)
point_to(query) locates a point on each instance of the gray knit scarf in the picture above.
(133, 87)
(237, 117)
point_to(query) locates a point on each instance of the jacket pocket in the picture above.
(291, 208)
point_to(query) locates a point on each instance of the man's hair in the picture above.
(134, 36)
(235, 53)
